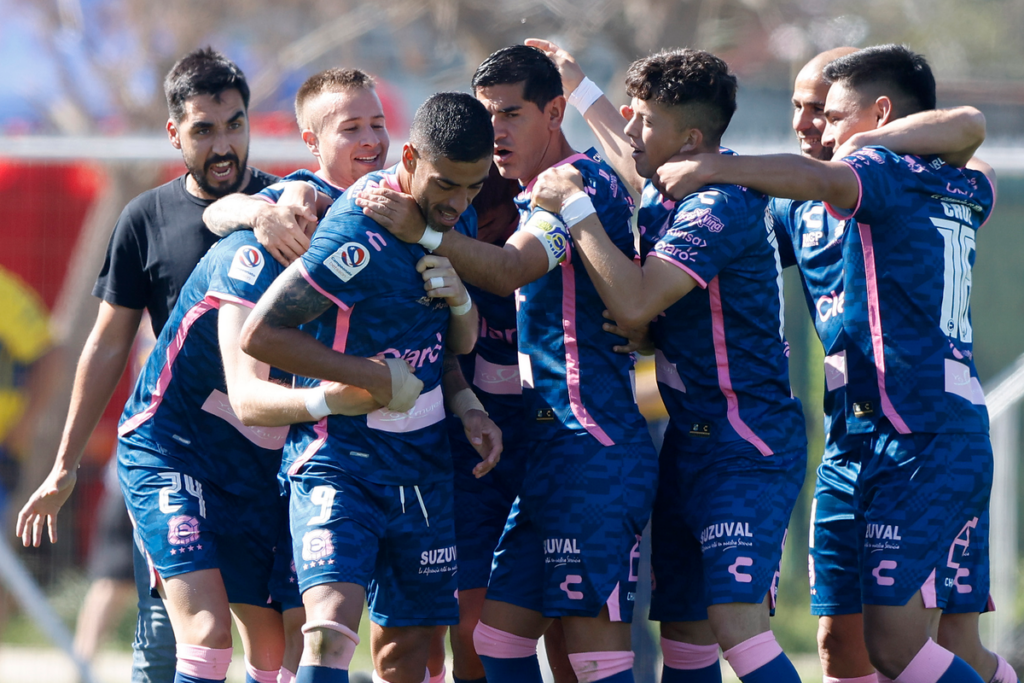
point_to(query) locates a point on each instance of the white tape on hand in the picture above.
(316, 403)
(436, 282)
(431, 239)
(464, 401)
(462, 309)
(577, 207)
(405, 387)
(585, 94)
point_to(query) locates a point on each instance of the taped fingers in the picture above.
(405, 387)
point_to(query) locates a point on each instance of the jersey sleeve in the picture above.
(881, 180)
(243, 272)
(344, 262)
(272, 193)
(612, 203)
(779, 216)
(122, 280)
(24, 322)
(702, 239)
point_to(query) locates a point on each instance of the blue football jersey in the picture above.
(569, 372)
(380, 310)
(492, 367)
(722, 360)
(908, 289)
(272, 193)
(180, 402)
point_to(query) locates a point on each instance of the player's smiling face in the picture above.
(522, 131)
(809, 94)
(213, 137)
(351, 140)
(443, 188)
(654, 133)
(847, 112)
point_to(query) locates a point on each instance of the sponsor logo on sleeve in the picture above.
(347, 261)
(247, 264)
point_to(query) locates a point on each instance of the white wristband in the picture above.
(462, 309)
(464, 401)
(577, 207)
(585, 94)
(431, 239)
(316, 403)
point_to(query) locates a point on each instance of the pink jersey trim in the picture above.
(928, 594)
(428, 410)
(341, 327)
(724, 379)
(208, 303)
(993, 207)
(320, 429)
(680, 266)
(614, 613)
(305, 274)
(219, 405)
(577, 156)
(843, 214)
(497, 379)
(265, 198)
(572, 357)
(875, 323)
(231, 299)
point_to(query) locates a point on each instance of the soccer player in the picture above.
(342, 123)
(907, 311)
(735, 451)
(371, 498)
(571, 545)
(156, 243)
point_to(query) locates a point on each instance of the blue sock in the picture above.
(469, 680)
(779, 670)
(185, 678)
(960, 671)
(709, 674)
(521, 670)
(320, 674)
(621, 677)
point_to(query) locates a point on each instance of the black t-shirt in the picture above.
(156, 243)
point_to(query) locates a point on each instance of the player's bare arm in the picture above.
(603, 118)
(271, 335)
(258, 401)
(500, 270)
(279, 227)
(633, 295)
(779, 175)
(442, 282)
(100, 367)
(953, 134)
(459, 398)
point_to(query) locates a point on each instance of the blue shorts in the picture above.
(719, 527)
(923, 499)
(484, 504)
(572, 542)
(833, 550)
(284, 581)
(396, 542)
(188, 523)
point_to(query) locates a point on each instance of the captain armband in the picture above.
(552, 233)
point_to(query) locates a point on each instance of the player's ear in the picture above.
(173, 135)
(309, 137)
(883, 111)
(693, 138)
(555, 112)
(409, 157)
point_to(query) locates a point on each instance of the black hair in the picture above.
(521, 64)
(895, 71)
(202, 72)
(694, 79)
(452, 125)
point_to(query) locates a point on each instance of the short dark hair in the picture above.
(202, 72)
(521, 64)
(892, 70)
(693, 79)
(452, 125)
(329, 80)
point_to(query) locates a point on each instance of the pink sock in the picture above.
(687, 656)
(285, 676)
(203, 662)
(1004, 672)
(492, 642)
(439, 678)
(259, 675)
(928, 664)
(753, 653)
(870, 678)
(596, 666)
(426, 679)
(348, 645)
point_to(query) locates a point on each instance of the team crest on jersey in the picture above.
(348, 260)
(316, 545)
(247, 264)
(182, 530)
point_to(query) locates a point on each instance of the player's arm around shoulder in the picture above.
(279, 219)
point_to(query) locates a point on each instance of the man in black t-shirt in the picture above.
(157, 241)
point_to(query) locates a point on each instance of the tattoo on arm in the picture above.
(451, 363)
(291, 301)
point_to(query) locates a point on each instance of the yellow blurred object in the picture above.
(24, 338)
(647, 395)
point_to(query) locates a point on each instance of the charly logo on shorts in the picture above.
(316, 545)
(182, 530)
